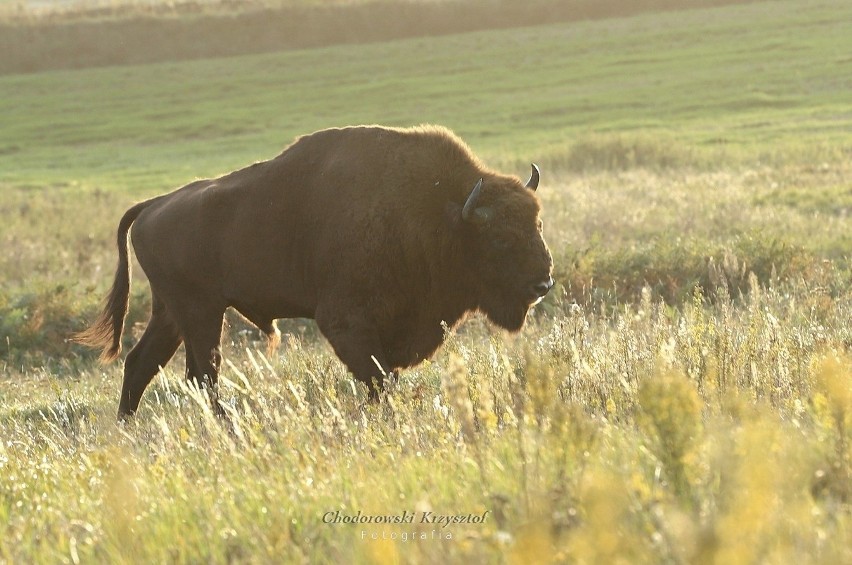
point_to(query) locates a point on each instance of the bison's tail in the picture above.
(106, 331)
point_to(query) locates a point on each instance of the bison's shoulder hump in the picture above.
(427, 133)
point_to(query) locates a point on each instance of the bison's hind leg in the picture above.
(157, 346)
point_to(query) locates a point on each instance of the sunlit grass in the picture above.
(717, 434)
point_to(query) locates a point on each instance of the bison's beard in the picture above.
(508, 315)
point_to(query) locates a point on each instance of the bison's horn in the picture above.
(532, 184)
(469, 206)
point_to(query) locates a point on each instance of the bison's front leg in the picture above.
(355, 340)
(202, 331)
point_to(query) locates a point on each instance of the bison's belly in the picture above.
(268, 286)
(263, 312)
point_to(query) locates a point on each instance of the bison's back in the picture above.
(375, 162)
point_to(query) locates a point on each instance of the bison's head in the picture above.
(506, 248)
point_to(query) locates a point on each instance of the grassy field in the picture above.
(47, 35)
(686, 88)
(682, 397)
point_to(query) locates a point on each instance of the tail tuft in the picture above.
(106, 331)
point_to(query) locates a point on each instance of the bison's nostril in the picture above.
(542, 288)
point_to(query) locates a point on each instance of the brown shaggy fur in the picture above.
(360, 228)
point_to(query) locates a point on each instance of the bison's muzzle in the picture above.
(539, 290)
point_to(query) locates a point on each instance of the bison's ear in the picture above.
(532, 184)
(482, 215)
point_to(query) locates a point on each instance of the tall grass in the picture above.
(625, 423)
(717, 434)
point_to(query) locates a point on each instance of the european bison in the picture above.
(377, 233)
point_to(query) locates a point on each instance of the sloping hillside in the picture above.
(125, 32)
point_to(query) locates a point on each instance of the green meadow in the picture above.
(682, 396)
(703, 87)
